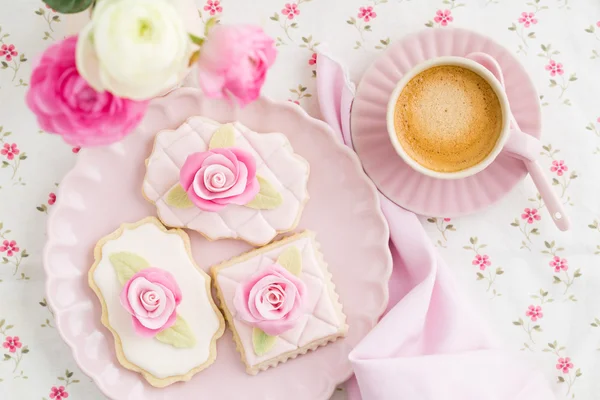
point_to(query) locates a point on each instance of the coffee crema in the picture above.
(448, 118)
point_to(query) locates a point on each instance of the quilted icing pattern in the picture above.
(275, 160)
(322, 318)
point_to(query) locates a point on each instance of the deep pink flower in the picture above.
(527, 19)
(559, 264)
(294, 101)
(272, 299)
(530, 215)
(442, 17)
(447, 219)
(482, 261)
(291, 10)
(10, 150)
(12, 343)
(65, 104)
(366, 13)
(58, 393)
(10, 247)
(151, 296)
(554, 68)
(564, 364)
(559, 167)
(76, 149)
(598, 24)
(534, 312)
(51, 199)
(313, 59)
(598, 120)
(213, 7)
(8, 51)
(234, 62)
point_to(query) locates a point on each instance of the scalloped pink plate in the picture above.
(398, 181)
(104, 190)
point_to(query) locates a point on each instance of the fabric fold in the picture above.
(431, 344)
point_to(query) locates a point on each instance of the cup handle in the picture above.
(525, 147)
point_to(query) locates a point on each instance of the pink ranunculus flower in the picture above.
(527, 19)
(555, 68)
(65, 104)
(442, 17)
(530, 215)
(559, 167)
(564, 364)
(559, 264)
(534, 312)
(217, 177)
(272, 300)
(151, 297)
(234, 60)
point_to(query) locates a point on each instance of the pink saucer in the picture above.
(394, 178)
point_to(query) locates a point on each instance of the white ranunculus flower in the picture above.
(135, 49)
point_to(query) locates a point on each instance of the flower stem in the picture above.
(528, 331)
(524, 231)
(568, 282)
(520, 35)
(490, 280)
(15, 167)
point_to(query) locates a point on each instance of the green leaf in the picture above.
(561, 379)
(547, 244)
(537, 328)
(552, 83)
(556, 279)
(429, 24)
(531, 35)
(291, 259)
(39, 12)
(473, 240)
(68, 374)
(262, 342)
(224, 136)
(555, 181)
(275, 17)
(6, 357)
(178, 198)
(4, 64)
(209, 25)
(432, 220)
(69, 6)
(197, 40)
(25, 350)
(268, 198)
(2, 321)
(9, 327)
(23, 156)
(499, 271)
(518, 323)
(578, 372)
(479, 276)
(127, 264)
(577, 273)
(179, 335)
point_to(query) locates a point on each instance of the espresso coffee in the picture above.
(448, 118)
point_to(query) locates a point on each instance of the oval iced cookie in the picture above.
(156, 302)
(226, 181)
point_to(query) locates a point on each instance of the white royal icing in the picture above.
(275, 161)
(165, 251)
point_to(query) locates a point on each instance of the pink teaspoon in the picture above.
(555, 207)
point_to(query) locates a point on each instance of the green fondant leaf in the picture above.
(127, 264)
(69, 6)
(262, 342)
(179, 335)
(268, 198)
(291, 259)
(178, 198)
(223, 137)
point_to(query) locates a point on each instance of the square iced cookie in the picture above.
(279, 301)
(226, 181)
(156, 302)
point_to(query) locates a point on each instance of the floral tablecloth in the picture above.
(539, 287)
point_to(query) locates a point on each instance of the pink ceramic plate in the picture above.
(104, 190)
(394, 178)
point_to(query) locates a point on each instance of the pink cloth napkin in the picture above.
(431, 345)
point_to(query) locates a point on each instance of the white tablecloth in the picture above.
(505, 263)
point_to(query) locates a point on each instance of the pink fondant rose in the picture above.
(151, 297)
(65, 104)
(235, 60)
(217, 177)
(272, 300)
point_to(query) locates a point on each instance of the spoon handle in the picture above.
(553, 203)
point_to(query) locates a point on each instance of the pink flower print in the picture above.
(598, 120)
(564, 364)
(443, 17)
(12, 343)
(10, 247)
(51, 199)
(527, 19)
(76, 149)
(534, 312)
(10, 151)
(366, 13)
(8, 51)
(530, 215)
(294, 101)
(559, 264)
(598, 24)
(291, 10)
(555, 68)
(482, 261)
(313, 59)
(447, 219)
(213, 7)
(58, 393)
(559, 167)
